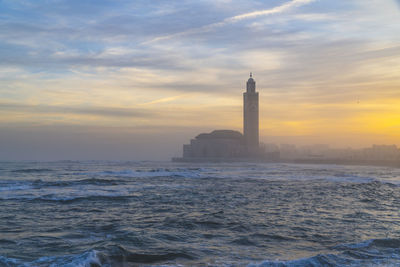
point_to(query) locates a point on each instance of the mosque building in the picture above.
(230, 145)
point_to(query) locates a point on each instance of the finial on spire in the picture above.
(251, 74)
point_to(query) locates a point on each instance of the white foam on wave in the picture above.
(72, 189)
(9, 261)
(85, 259)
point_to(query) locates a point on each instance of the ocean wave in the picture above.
(32, 170)
(69, 199)
(14, 187)
(121, 255)
(330, 260)
(10, 185)
(185, 173)
(93, 197)
(116, 256)
(80, 261)
(87, 259)
(88, 181)
(373, 252)
(372, 243)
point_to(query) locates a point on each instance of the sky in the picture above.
(134, 80)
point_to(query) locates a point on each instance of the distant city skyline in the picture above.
(135, 80)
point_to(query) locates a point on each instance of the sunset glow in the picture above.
(130, 72)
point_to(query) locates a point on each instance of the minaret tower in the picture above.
(250, 116)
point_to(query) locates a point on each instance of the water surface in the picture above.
(238, 214)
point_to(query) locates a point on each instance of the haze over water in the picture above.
(91, 89)
(133, 80)
(94, 213)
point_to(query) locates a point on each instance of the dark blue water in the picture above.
(168, 214)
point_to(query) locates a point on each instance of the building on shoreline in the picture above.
(233, 146)
(230, 145)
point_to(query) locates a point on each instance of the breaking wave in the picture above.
(88, 259)
(374, 252)
(166, 214)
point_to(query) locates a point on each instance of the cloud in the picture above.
(106, 58)
(79, 110)
(278, 9)
(234, 19)
(163, 100)
(85, 64)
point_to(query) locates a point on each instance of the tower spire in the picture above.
(250, 116)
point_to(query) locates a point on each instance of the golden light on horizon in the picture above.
(322, 78)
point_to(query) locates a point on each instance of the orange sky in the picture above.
(326, 72)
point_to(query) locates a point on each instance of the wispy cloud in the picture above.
(234, 19)
(94, 111)
(271, 11)
(163, 100)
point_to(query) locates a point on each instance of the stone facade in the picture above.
(228, 144)
(217, 144)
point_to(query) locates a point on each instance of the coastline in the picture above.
(377, 163)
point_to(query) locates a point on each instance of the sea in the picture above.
(114, 213)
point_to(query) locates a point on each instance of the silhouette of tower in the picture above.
(250, 116)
